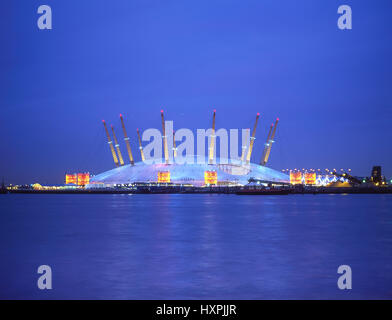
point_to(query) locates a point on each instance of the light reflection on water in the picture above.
(196, 246)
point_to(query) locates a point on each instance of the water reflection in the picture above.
(196, 246)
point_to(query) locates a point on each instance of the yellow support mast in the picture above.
(212, 142)
(166, 150)
(126, 138)
(110, 144)
(117, 148)
(270, 142)
(174, 145)
(266, 145)
(243, 153)
(140, 145)
(252, 139)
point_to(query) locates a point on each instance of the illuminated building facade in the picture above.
(164, 176)
(80, 179)
(190, 173)
(376, 176)
(71, 178)
(210, 177)
(310, 178)
(295, 177)
(83, 179)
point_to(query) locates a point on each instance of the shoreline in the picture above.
(212, 190)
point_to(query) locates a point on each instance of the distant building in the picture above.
(164, 176)
(376, 176)
(71, 178)
(310, 178)
(211, 178)
(195, 173)
(295, 177)
(80, 179)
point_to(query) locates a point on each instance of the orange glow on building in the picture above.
(71, 178)
(210, 177)
(295, 177)
(164, 176)
(310, 178)
(83, 179)
(37, 186)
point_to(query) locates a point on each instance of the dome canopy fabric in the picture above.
(190, 172)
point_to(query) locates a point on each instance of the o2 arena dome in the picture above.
(188, 173)
(192, 170)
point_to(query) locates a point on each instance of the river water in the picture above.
(193, 246)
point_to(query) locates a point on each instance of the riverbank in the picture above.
(214, 189)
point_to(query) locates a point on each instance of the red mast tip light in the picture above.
(120, 115)
(103, 121)
(258, 113)
(277, 119)
(214, 110)
(161, 111)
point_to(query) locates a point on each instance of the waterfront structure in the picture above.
(310, 178)
(196, 170)
(189, 173)
(163, 176)
(295, 177)
(376, 176)
(71, 179)
(77, 179)
(210, 178)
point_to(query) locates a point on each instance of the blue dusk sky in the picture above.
(331, 88)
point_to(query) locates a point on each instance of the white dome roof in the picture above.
(190, 172)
